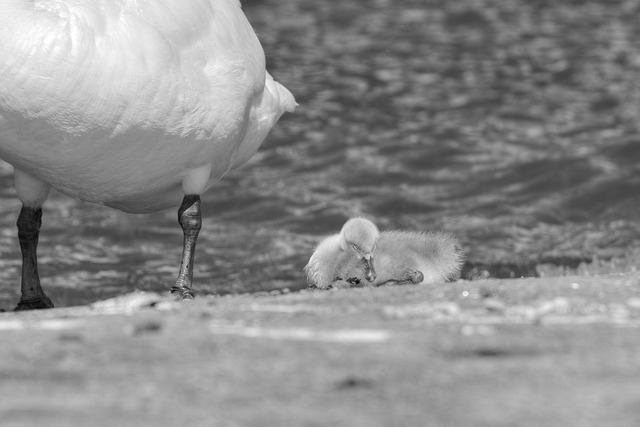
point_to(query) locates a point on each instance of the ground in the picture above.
(513, 352)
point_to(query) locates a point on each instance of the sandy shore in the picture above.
(523, 352)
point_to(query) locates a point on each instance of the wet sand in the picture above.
(514, 352)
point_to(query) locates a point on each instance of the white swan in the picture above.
(133, 104)
(391, 257)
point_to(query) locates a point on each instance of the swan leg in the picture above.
(190, 219)
(33, 193)
(33, 297)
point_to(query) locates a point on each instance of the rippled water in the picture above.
(511, 123)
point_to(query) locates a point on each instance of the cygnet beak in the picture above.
(369, 271)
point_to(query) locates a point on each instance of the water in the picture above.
(511, 123)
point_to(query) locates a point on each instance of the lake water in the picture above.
(513, 124)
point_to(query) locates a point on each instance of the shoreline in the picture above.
(562, 351)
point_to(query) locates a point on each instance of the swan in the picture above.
(388, 257)
(356, 241)
(132, 104)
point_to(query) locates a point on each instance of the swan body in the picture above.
(399, 257)
(132, 104)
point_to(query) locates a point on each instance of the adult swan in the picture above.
(133, 104)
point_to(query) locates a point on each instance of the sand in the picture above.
(518, 352)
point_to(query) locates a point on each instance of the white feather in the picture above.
(119, 101)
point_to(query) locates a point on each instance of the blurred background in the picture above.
(513, 124)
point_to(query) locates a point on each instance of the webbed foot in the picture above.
(412, 277)
(415, 276)
(182, 293)
(34, 304)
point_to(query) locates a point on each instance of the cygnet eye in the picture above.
(354, 247)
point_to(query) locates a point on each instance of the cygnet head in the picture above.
(360, 236)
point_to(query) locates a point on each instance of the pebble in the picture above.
(423, 310)
(484, 330)
(633, 302)
(494, 305)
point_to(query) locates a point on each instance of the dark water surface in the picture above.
(512, 123)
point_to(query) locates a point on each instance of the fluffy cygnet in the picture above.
(355, 243)
(390, 257)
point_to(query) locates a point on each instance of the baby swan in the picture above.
(398, 257)
(355, 244)
(407, 257)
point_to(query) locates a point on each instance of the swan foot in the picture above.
(34, 304)
(190, 220)
(183, 293)
(415, 276)
(32, 296)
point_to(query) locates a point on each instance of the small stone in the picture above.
(352, 382)
(423, 310)
(633, 302)
(618, 312)
(144, 327)
(70, 337)
(494, 305)
(484, 330)
(557, 305)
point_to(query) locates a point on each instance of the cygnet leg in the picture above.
(410, 276)
(33, 296)
(190, 219)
